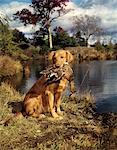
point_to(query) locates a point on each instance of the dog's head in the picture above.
(60, 57)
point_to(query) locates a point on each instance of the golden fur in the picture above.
(41, 97)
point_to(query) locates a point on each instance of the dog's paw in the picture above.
(55, 115)
(60, 118)
(60, 113)
(42, 116)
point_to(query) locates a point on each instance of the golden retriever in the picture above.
(43, 97)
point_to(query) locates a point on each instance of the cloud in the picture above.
(91, 3)
(107, 14)
(105, 11)
(12, 8)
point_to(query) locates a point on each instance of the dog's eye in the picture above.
(61, 56)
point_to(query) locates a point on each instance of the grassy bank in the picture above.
(9, 67)
(80, 129)
(85, 53)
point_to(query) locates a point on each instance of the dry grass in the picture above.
(85, 53)
(80, 129)
(7, 95)
(9, 67)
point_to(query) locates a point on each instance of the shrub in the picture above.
(18, 54)
(44, 49)
(9, 67)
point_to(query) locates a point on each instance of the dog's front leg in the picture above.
(51, 104)
(58, 102)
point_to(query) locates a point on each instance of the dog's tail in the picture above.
(11, 119)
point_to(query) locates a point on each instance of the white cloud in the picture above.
(107, 14)
(12, 8)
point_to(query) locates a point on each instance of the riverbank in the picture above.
(9, 67)
(12, 65)
(81, 128)
(86, 54)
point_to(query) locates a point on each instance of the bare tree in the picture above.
(87, 26)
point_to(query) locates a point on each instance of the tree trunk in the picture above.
(50, 36)
(86, 42)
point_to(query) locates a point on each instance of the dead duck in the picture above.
(53, 73)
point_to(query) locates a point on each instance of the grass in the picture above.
(9, 67)
(81, 129)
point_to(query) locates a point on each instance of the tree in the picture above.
(19, 37)
(87, 26)
(62, 38)
(5, 37)
(39, 39)
(80, 40)
(43, 13)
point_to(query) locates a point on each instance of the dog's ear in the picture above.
(50, 55)
(69, 56)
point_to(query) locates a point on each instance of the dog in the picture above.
(46, 96)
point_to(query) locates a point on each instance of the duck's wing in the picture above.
(52, 74)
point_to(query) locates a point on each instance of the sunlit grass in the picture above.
(81, 128)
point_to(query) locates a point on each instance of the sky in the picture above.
(105, 9)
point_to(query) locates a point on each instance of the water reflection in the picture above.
(101, 80)
(35, 68)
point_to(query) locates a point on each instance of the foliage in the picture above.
(44, 49)
(43, 14)
(43, 9)
(5, 37)
(18, 36)
(6, 42)
(39, 39)
(99, 46)
(103, 47)
(109, 47)
(80, 40)
(62, 38)
(11, 42)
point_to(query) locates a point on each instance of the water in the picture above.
(98, 76)
(101, 79)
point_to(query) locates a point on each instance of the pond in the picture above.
(101, 78)
(98, 76)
